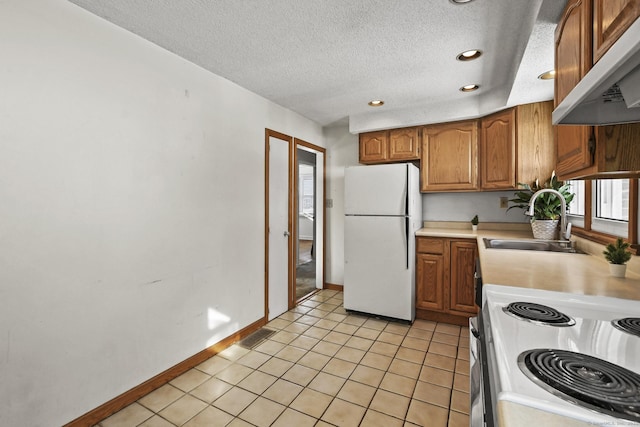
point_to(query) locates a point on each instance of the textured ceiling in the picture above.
(326, 59)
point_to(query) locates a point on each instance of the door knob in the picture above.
(286, 234)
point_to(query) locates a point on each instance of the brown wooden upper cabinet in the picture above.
(374, 147)
(586, 31)
(450, 157)
(572, 47)
(388, 146)
(574, 144)
(494, 153)
(516, 146)
(611, 18)
(498, 150)
(535, 148)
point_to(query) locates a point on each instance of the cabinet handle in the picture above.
(591, 144)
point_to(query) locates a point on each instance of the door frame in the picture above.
(292, 213)
(268, 133)
(293, 301)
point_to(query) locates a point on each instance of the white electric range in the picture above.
(580, 370)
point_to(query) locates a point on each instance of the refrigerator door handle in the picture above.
(406, 193)
(406, 238)
(406, 213)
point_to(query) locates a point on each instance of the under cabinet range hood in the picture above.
(610, 92)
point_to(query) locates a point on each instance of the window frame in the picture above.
(586, 230)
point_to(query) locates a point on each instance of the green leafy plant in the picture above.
(617, 253)
(474, 220)
(548, 205)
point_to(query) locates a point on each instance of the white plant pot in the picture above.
(618, 270)
(474, 227)
(545, 229)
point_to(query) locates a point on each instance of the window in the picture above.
(306, 189)
(612, 199)
(605, 209)
(576, 207)
(611, 202)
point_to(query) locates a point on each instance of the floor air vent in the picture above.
(256, 338)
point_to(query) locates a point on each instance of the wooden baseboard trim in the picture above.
(98, 414)
(333, 287)
(442, 317)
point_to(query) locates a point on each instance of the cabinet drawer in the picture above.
(427, 245)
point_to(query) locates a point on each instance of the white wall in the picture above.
(342, 151)
(132, 213)
(463, 206)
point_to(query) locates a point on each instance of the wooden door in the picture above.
(430, 282)
(374, 147)
(611, 18)
(404, 144)
(279, 227)
(498, 151)
(573, 61)
(449, 157)
(463, 258)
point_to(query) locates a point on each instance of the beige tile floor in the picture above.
(323, 367)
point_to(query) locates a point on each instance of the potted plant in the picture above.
(548, 206)
(474, 223)
(618, 255)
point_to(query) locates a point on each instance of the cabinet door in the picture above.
(536, 149)
(430, 282)
(618, 149)
(575, 150)
(573, 47)
(573, 60)
(498, 151)
(404, 144)
(374, 147)
(463, 257)
(449, 160)
(611, 18)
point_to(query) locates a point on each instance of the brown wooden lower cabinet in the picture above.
(444, 279)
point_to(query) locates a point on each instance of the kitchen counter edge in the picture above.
(573, 273)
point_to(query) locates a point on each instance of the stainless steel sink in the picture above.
(532, 245)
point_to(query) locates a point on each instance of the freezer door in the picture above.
(376, 190)
(379, 267)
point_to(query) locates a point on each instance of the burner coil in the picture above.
(538, 313)
(584, 380)
(630, 325)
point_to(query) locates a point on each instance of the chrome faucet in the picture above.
(565, 230)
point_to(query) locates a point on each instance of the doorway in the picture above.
(306, 261)
(294, 221)
(310, 224)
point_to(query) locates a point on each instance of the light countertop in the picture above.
(564, 272)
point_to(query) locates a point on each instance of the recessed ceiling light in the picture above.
(376, 103)
(549, 75)
(469, 88)
(460, 1)
(469, 55)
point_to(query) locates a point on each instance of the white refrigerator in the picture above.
(383, 210)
